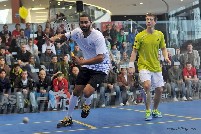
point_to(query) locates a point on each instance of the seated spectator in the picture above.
(15, 73)
(77, 52)
(9, 60)
(58, 49)
(16, 32)
(124, 61)
(191, 79)
(48, 44)
(24, 88)
(60, 84)
(110, 85)
(5, 31)
(115, 54)
(33, 68)
(27, 30)
(126, 83)
(72, 78)
(1, 43)
(4, 66)
(33, 49)
(65, 48)
(65, 65)
(43, 86)
(5, 86)
(22, 39)
(23, 56)
(53, 68)
(176, 79)
(46, 57)
(40, 37)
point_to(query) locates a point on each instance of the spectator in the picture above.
(77, 52)
(15, 73)
(39, 38)
(191, 56)
(61, 84)
(115, 54)
(33, 68)
(33, 49)
(24, 86)
(65, 66)
(73, 75)
(23, 55)
(5, 31)
(27, 30)
(5, 86)
(46, 57)
(54, 67)
(110, 85)
(4, 66)
(9, 60)
(176, 57)
(126, 83)
(48, 43)
(43, 85)
(191, 79)
(22, 39)
(176, 79)
(16, 32)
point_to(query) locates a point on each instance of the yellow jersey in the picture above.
(148, 46)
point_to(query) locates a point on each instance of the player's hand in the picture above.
(77, 60)
(168, 60)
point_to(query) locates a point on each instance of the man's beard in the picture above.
(85, 29)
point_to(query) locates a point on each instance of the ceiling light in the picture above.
(4, 5)
(41, 12)
(181, 0)
(70, 7)
(141, 3)
(40, 16)
(41, 19)
(41, 8)
(3, 0)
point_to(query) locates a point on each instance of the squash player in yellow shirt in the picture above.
(147, 44)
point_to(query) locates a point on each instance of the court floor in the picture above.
(178, 118)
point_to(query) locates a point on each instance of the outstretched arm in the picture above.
(59, 36)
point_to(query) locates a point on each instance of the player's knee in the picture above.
(87, 93)
(146, 87)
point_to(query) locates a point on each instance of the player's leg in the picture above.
(67, 121)
(96, 78)
(158, 83)
(145, 78)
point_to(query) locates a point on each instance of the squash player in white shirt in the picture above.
(95, 66)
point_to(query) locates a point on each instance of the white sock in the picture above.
(73, 102)
(88, 100)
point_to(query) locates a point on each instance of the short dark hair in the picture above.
(2, 70)
(153, 15)
(85, 15)
(1, 57)
(188, 63)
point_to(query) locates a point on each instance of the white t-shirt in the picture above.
(91, 46)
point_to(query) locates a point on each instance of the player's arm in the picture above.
(95, 60)
(59, 36)
(165, 55)
(133, 58)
